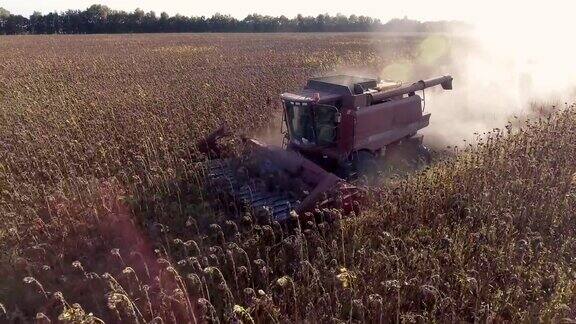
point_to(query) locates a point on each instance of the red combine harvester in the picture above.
(336, 128)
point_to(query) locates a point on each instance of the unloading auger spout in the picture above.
(444, 81)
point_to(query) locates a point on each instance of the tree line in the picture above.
(101, 19)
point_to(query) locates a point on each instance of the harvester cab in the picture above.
(336, 127)
(343, 123)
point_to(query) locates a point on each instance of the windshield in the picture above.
(300, 122)
(311, 124)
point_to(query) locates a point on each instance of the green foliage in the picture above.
(4, 13)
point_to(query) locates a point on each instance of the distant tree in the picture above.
(180, 24)
(198, 24)
(4, 14)
(150, 22)
(222, 23)
(72, 22)
(116, 22)
(305, 24)
(95, 18)
(287, 25)
(134, 21)
(258, 23)
(340, 23)
(53, 23)
(37, 23)
(403, 25)
(101, 19)
(16, 24)
(163, 22)
(248, 24)
(320, 23)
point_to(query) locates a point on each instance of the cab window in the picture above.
(325, 122)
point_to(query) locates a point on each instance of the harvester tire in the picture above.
(408, 155)
(424, 154)
(365, 164)
(417, 155)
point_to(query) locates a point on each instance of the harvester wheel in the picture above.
(424, 154)
(365, 164)
(417, 155)
(408, 155)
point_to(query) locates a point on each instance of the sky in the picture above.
(385, 10)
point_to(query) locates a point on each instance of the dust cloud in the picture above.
(516, 62)
(271, 133)
(510, 65)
